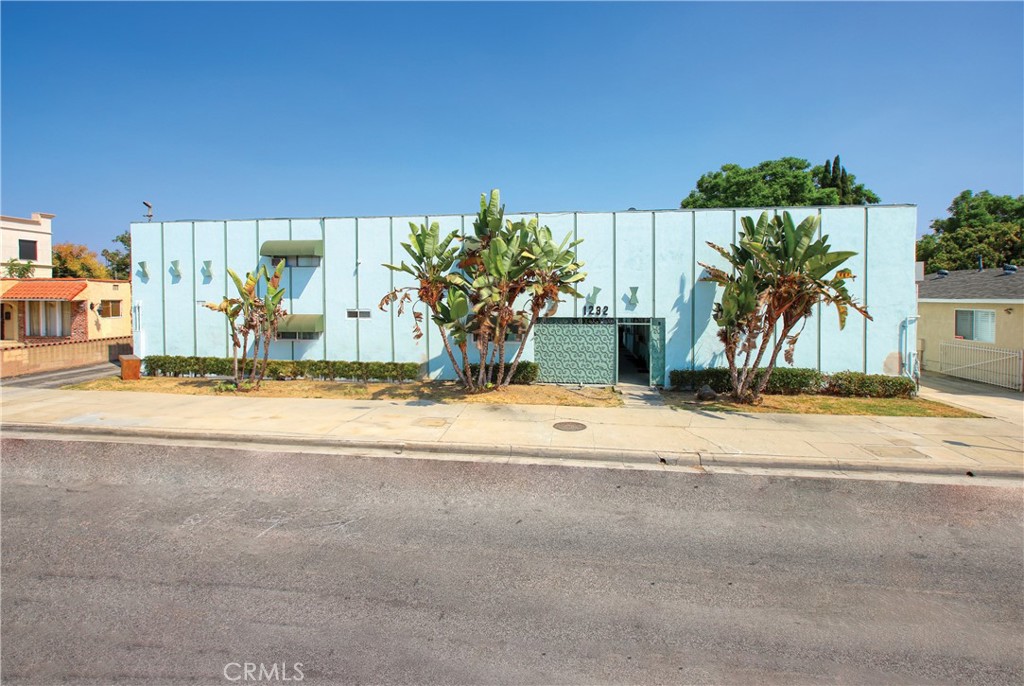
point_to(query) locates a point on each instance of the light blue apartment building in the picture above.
(644, 290)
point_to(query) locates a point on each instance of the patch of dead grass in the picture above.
(823, 404)
(442, 392)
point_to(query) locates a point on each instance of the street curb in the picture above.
(264, 440)
(596, 455)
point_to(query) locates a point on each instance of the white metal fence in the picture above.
(996, 366)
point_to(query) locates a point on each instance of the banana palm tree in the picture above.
(500, 278)
(552, 272)
(250, 315)
(778, 272)
(432, 257)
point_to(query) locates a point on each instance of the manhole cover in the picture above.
(570, 426)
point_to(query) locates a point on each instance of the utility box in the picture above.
(131, 367)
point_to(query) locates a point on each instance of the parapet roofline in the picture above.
(511, 213)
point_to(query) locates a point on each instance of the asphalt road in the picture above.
(143, 564)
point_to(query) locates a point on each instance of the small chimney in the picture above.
(981, 265)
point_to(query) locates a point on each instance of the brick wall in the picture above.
(54, 354)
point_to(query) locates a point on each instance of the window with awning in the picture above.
(294, 253)
(300, 327)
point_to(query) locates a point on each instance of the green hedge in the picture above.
(870, 385)
(692, 379)
(784, 380)
(794, 380)
(173, 365)
(526, 372)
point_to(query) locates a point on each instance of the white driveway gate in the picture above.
(995, 366)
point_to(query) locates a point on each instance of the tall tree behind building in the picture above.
(785, 182)
(834, 175)
(70, 259)
(119, 262)
(983, 226)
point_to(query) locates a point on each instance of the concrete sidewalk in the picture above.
(624, 436)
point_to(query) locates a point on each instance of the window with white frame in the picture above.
(357, 314)
(975, 325)
(48, 318)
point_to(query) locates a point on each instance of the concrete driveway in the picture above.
(984, 399)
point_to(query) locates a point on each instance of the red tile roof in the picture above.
(45, 290)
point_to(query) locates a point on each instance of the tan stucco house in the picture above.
(52, 324)
(972, 324)
(28, 240)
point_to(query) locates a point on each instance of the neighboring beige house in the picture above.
(50, 324)
(972, 325)
(28, 240)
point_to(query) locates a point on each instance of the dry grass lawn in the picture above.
(442, 392)
(823, 404)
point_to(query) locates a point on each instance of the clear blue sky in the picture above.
(275, 110)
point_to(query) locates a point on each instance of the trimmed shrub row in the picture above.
(796, 380)
(784, 380)
(870, 385)
(526, 372)
(174, 365)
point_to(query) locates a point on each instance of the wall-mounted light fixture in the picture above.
(632, 295)
(175, 268)
(208, 268)
(144, 268)
(592, 298)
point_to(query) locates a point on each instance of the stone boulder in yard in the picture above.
(706, 393)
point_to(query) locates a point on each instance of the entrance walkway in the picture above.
(639, 395)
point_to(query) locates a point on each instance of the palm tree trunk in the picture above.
(266, 355)
(481, 346)
(451, 356)
(519, 353)
(465, 375)
(240, 373)
(501, 362)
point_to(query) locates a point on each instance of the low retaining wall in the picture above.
(47, 357)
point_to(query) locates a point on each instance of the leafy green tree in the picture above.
(119, 262)
(497, 282)
(984, 225)
(17, 269)
(77, 261)
(776, 275)
(786, 182)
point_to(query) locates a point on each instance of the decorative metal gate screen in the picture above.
(576, 351)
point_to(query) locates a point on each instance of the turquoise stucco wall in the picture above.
(657, 252)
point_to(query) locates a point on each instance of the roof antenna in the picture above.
(981, 265)
(149, 214)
